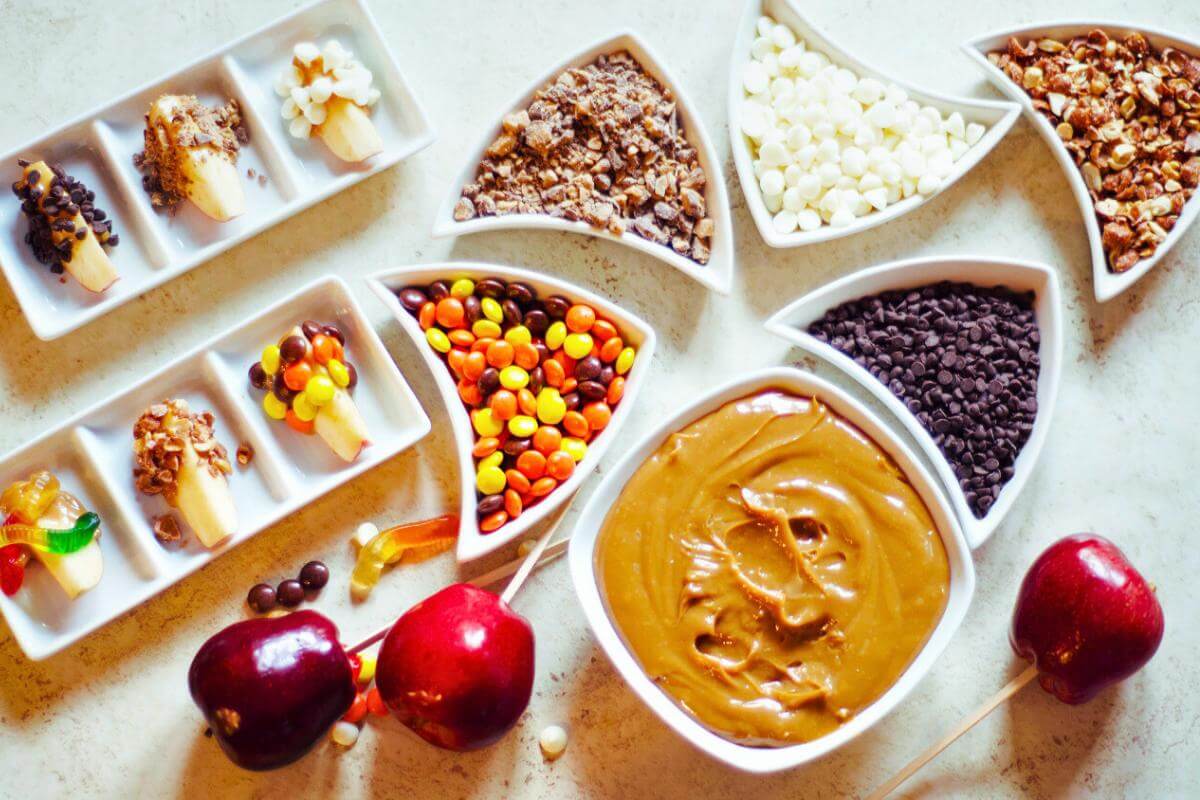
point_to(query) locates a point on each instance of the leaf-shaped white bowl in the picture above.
(472, 543)
(998, 117)
(1105, 283)
(584, 574)
(792, 323)
(717, 274)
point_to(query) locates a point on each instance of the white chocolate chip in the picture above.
(365, 533)
(300, 128)
(289, 109)
(320, 89)
(553, 741)
(306, 52)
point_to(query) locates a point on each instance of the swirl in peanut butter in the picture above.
(772, 569)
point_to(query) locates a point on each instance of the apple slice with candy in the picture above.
(270, 688)
(1085, 617)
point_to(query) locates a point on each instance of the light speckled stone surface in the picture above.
(111, 716)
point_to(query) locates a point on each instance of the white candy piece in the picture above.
(344, 733)
(300, 128)
(320, 89)
(364, 533)
(553, 741)
(289, 109)
(315, 113)
(785, 221)
(300, 96)
(306, 52)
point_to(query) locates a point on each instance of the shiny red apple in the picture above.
(270, 688)
(457, 668)
(1086, 617)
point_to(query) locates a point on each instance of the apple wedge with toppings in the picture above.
(307, 380)
(179, 457)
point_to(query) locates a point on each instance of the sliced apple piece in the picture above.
(179, 458)
(88, 263)
(194, 152)
(340, 424)
(348, 132)
(75, 572)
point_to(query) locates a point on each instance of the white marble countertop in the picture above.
(112, 717)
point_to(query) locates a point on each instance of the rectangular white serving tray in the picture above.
(92, 455)
(155, 246)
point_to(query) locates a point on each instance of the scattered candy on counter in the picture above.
(829, 146)
(307, 380)
(1129, 115)
(290, 592)
(390, 546)
(963, 359)
(539, 376)
(553, 741)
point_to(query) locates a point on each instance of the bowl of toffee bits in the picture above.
(602, 144)
(1120, 108)
(965, 352)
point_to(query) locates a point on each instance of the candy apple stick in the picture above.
(968, 722)
(537, 557)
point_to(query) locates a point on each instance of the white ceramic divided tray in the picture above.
(472, 543)
(997, 117)
(792, 323)
(155, 246)
(584, 574)
(717, 274)
(1106, 284)
(92, 454)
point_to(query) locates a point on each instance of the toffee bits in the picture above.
(963, 359)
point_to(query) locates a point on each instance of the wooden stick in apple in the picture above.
(1084, 616)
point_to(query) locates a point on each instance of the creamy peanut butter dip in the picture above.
(772, 569)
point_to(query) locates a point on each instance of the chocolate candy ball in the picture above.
(314, 575)
(289, 593)
(261, 598)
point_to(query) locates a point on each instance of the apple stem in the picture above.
(968, 722)
(486, 579)
(530, 560)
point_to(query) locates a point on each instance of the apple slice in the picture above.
(178, 457)
(340, 424)
(209, 172)
(75, 572)
(88, 263)
(348, 132)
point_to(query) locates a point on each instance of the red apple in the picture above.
(457, 668)
(270, 688)
(1085, 617)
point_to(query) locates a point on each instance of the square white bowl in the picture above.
(998, 117)
(1106, 284)
(717, 274)
(92, 454)
(582, 557)
(473, 543)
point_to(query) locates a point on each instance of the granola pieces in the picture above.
(603, 143)
(1129, 114)
(159, 436)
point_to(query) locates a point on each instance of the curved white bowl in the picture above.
(1105, 283)
(716, 275)
(792, 322)
(998, 117)
(582, 558)
(472, 543)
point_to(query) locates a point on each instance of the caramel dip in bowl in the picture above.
(775, 567)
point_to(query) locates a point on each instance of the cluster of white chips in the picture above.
(830, 147)
(341, 75)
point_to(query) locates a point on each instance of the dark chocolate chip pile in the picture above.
(963, 359)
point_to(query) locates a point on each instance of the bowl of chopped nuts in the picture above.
(1119, 105)
(605, 144)
(826, 145)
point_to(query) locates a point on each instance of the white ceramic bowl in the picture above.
(717, 274)
(792, 322)
(1105, 283)
(582, 556)
(155, 247)
(998, 117)
(472, 543)
(92, 454)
